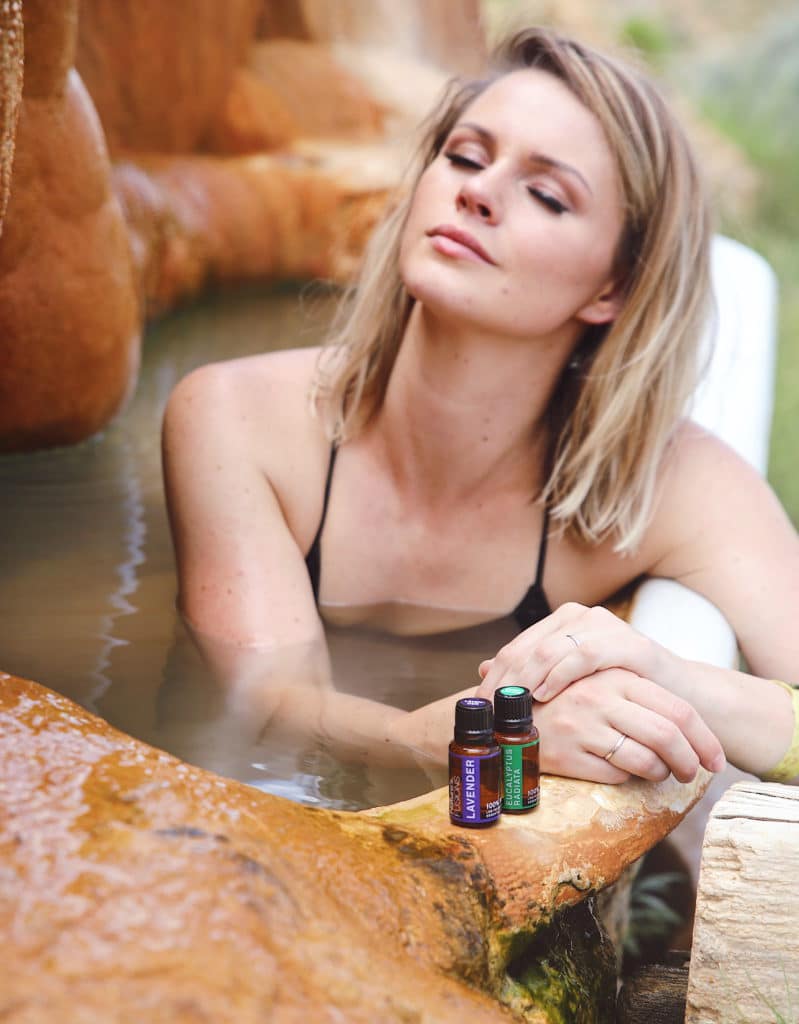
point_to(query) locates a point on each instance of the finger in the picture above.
(678, 737)
(581, 764)
(572, 643)
(632, 756)
(599, 641)
(484, 666)
(501, 671)
(485, 690)
(563, 661)
(688, 721)
(529, 657)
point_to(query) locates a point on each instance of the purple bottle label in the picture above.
(473, 788)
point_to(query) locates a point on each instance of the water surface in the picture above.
(87, 584)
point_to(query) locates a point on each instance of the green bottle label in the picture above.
(515, 797)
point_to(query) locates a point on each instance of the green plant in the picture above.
(749, 93)
(652, 917)
(650, 36)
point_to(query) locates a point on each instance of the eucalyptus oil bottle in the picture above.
(517, 738)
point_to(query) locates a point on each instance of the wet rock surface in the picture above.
(69, 315)
(159, 73)
(184, 91)
(10, 91)
(196, 222)
(134, 886)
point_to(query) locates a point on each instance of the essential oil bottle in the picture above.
(474, 768)
(518, 743)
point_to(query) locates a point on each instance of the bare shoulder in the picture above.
(252, 415)
(720, 530)
(258, 400)
(710, 500)
(274, 384)
(698, 458)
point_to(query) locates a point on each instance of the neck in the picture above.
(465, 413)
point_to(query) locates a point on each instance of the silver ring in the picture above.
(573, 639)
(614, 749)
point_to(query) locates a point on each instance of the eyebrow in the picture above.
(534, 158)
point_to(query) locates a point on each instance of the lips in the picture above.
(462, 239)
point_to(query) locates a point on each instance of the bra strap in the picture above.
(313, 559)
(542, 549)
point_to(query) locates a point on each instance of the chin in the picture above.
(436, 286)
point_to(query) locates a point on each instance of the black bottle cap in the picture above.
(474, 721)
(513, 709)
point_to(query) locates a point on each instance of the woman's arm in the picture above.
(719, 530)
(288, 690)
(664, 734)
(244, 469)
(244, 475)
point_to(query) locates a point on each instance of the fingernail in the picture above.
(719, 763)
(541, 693)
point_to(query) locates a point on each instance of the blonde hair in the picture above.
(616, 406)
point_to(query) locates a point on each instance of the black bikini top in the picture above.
(532, 607)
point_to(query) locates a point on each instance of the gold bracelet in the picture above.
(788, 768)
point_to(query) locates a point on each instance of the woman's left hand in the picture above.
(570, 644)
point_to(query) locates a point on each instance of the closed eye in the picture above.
(463, 161)
(553, 204)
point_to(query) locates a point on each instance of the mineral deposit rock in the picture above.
(159, 73)
(198, 221)
(315, 90)
(10, 91)
(136, 887)
(69, 316)
(446, 33)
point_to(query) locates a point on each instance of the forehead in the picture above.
(533, 109)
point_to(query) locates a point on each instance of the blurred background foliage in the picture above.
(731, 67)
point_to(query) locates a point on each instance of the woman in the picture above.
(507, 379)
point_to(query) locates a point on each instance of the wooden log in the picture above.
(746, 933)
(655, 994)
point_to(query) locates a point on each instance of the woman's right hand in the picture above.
(664, 734)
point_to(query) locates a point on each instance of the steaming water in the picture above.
(87, 585)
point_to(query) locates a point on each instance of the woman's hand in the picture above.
(614, 724)
(570, 644)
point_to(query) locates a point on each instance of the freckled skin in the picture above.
(432, 519)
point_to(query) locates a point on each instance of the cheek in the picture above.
(567, 265)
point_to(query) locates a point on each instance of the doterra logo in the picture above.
(471, 789)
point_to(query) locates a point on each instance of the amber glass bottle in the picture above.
(474, 769)
(518, 743)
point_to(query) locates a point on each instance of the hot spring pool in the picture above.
(88, 584)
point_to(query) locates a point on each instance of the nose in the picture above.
(474, 196)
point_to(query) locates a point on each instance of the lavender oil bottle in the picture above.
(474, 766)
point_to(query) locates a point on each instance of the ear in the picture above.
(605, 307)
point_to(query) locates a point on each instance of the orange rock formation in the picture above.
(159, 73)
(204, 84)
(69, 317)
(10, 91)
(135, 887)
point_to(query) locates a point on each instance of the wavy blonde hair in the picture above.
(617, 404)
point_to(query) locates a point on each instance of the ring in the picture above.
(573, 639)
(615, 747)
